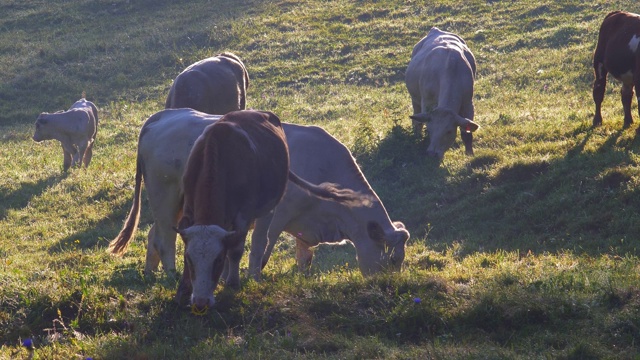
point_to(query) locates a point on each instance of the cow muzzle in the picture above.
(200, 306)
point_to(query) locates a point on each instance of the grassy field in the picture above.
(527, 250)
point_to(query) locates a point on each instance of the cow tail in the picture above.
(330, 191)
(119, 245)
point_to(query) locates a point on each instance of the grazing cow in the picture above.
(164, 144)
(440, 79)
(319, 157)
(76, 130)
(216, 85)
(617, 53)
(237, 171)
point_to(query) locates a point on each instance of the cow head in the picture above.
(204, 254)
(41, 133)
(442, 125)
(389, 252)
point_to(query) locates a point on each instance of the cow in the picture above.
(236, 172)
(164, 144)
(76, 130)
(215, 85)
(440, 78)
(617, 53)
(320, 157)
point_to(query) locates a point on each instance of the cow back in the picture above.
(236, 170)
(216, 85)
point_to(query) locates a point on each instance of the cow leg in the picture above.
(304, 256)
(627, 95)
(88, 154)
(234, 255)
(417, 126)
(165, 203)
(185, 288)
(67, 158)
(259, 242)
(278, 223)
(467, 137)
(153, 257)
(72, 149)
(599, 86)
(82, 149)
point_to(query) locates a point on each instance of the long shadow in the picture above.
(102, 232)
(19, 198)
(579, 202)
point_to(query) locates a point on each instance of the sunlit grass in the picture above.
(527, 250)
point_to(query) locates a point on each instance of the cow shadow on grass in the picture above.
(582, 201)
(20, 198)
(100, 233)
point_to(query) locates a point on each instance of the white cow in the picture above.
(76, 130)
(164, 144)
(165, 141)
(319, 157)
(440, 79)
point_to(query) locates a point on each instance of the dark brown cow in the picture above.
(216, 85)
(237, 171)
(617, 54)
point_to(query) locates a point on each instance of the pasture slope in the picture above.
(527, 250)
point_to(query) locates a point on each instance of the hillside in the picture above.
(527, 250)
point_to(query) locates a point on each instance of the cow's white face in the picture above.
(205, 253)
(442, 125)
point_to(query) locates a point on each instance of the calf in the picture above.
(76, 130)
(617, 53)
(440, 79)
(237, 171)
(216, 85)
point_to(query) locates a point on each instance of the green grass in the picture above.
(527, 250)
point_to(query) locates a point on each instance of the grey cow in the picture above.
(319, 157)
(75, 128)
(215, 85)
(440, 79)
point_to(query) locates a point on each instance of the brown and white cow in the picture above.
(440, 79)
(319, 157)
(237, 171)
(617, 53)
(76, 130)
(164, 144)
(216, 85)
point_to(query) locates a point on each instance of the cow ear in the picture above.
(467, 125)
(422, 117)
(399, 225)
(229, 238)
(273, 118)
(375, 231)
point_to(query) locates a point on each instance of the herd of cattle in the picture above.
(213, 170)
